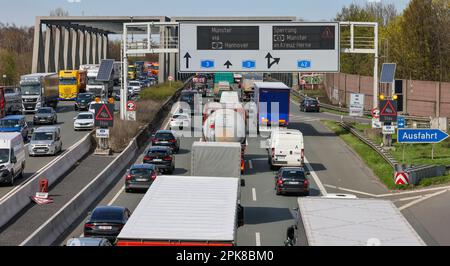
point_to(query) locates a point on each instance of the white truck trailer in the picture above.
(225, 157)
(323, 221)
(186, 211)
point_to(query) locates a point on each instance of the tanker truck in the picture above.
(226, 124)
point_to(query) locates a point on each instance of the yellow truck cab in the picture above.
(131, 72)
(71, 82)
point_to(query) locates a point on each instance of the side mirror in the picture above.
(290, 235)
(242, 183)
(308, 173)
(13, 160)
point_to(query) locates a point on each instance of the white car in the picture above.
(136, 86)
(180, 121)
(84, 121)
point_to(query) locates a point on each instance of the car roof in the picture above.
(46, 129)
(293, 168)
(164, 131)
(90, 240)
(142, 166)
(109, 208)
(159, 148)
(13, 117)
(86, 113)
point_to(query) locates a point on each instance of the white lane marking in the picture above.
(422, 199)
(408, 198)
(322, 189)
(254, 194)
(116, 196)
(258, 239)
(414, 191)
(351, 190)
(250, 164)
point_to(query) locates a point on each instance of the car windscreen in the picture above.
(44, 111)
(85, 116)
(6, 123)
(106, 215)
(157, 153)
(141, 171)
(309, 102)
(293, 174)
(4, 155)
(164, 136)
(42, 136)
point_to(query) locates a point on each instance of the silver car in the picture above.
(88, 242)
(45, 141)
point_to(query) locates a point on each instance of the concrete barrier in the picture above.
(47, 233)
(54, 227)
(19, 198)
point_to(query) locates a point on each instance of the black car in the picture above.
(292, 180)
(83, 101)
(309, 104)
(45, 115)
(166, 138)
(140, 176)
(162, 157)
(106, 222)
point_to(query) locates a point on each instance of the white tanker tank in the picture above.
(225, 125)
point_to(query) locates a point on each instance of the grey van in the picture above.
(45, 141)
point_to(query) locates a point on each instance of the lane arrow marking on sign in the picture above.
(187, 56)
(271, 64)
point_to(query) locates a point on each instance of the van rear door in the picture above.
(289, 149)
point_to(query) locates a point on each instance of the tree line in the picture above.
(417, 39)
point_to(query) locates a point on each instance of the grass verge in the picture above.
(160, 91)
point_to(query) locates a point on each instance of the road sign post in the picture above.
(104, 119)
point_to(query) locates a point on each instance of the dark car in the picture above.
(162, 157)
(292, 180)
(45, 115)
(140, 177)
(310, 105)
(166, 138)
(106, 222)
(15, 123)
(83, 101)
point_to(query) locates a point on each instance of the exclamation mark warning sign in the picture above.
(327, 33)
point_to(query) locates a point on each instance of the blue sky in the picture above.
(22, 12)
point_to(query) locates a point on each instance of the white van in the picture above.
(286, 148)
(12, 157)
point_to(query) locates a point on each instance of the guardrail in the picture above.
(50, 231)
(19, 198)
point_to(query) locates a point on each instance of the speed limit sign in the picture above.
(131, 106)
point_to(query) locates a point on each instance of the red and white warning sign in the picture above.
(376, 113)
(401, 178)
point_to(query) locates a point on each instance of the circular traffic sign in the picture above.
(131, 106)
(170, 78)
(375, 113)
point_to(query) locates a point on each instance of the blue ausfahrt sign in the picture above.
(421, 136)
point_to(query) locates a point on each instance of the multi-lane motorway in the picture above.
(267, 216)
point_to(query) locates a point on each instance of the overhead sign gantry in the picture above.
(259, 47)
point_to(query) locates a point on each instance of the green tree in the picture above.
(7, 67)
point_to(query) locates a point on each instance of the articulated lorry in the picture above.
(273, 100)
(334, 221)
(248, 84)
(186, 211)
(71, 83)
(39, 90)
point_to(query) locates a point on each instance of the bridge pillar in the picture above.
(75, 49)
(58, 49)
(49, 58)
(82, 47)
(94, 48)
(38, 48)
(67, 48)
(105, 46)
(89, 56)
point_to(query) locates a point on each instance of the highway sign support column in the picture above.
(124, 89)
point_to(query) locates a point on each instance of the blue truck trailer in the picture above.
(273, 102)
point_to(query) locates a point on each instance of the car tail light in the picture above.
(128, 177)
(89, 226)
(168, 158)
(303, 153)
(212, 126)
(173, 141)
(306, 182)
(280, 181)
(148, 158)
(154, 140)
(154, 175)
(273, 152)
